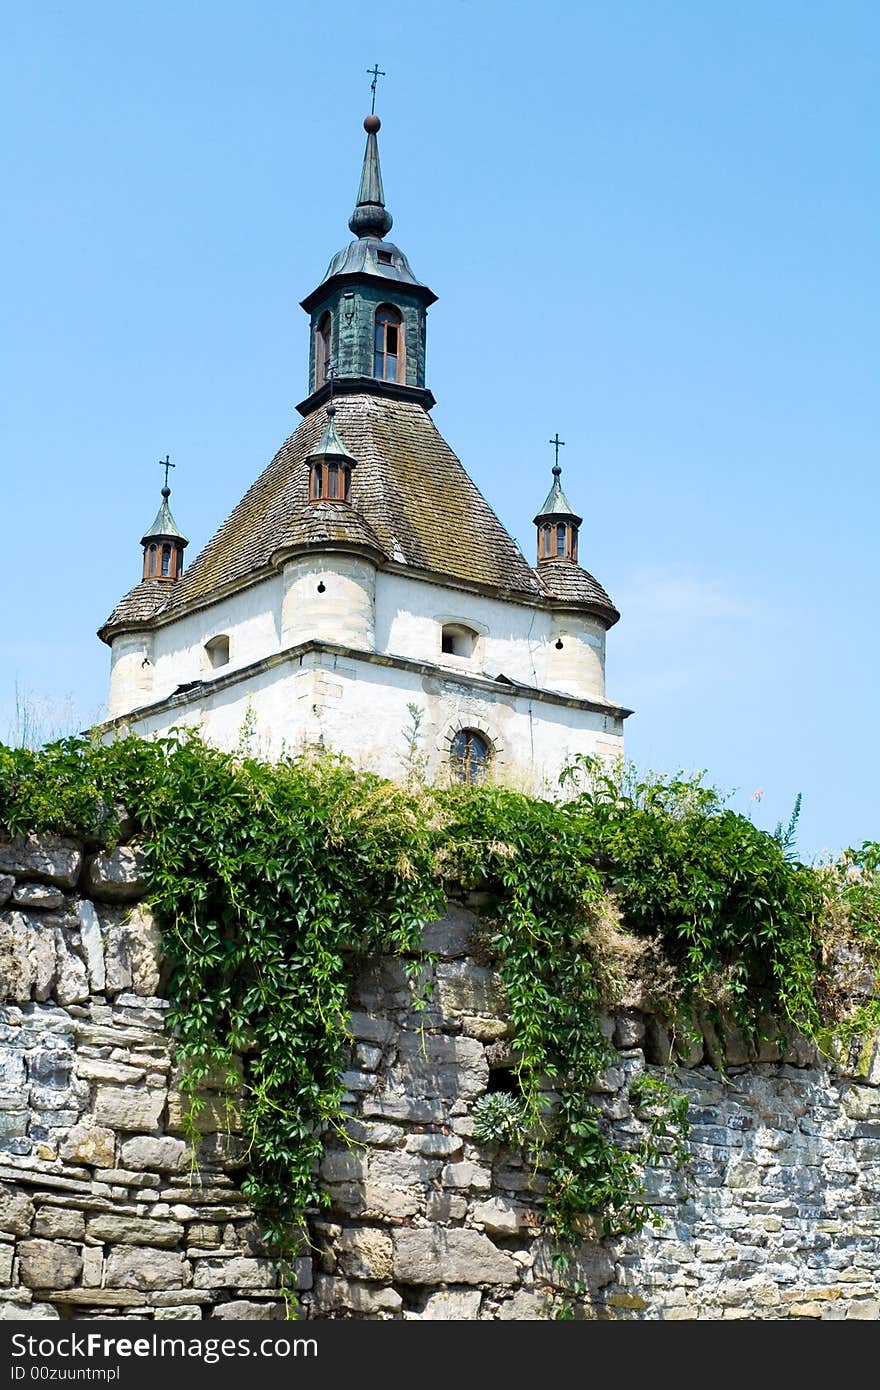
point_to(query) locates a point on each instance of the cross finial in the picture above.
(166, 464)
(375, 72)
(557, 444)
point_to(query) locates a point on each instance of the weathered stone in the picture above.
(7, 883)
(215, 1114)
(116, 876)
(49, 1264)
(444, 1255)
(629, 1029)
(166, 1155)
(16, 1211)
(98, 1069)
(59, 1223)
(31, 1312)
(71, 980)
(236, 1272)
(445, 1206)
(452, 1305)
(344, 1165)
(436, 1065)
(12, 1069)
(499, 1217)
(367, 1028)
(144, 943)
(367, 1056)
(182, 1312)
(129, 1108)
(466, 1175)
(50, 1067)
(434, 1145)
(48, 858)
(451, 935)
(132, 1230)
(93, 1266)
(37, 897)
(590, 1266)
(91, 1144)
(244, 1310)
(487, 1030)
(466, 988)
(397, 1105)
(395, 1168)
(332, 1295)
(365, 1252)
(525, 1306)
(142, 1267)
(92, 945)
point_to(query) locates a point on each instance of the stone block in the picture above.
(365, 1252)
(446, 1255)
(466, 988)
(7, 883)
(529, 1306)
(450, 936)
(437, 1065)
(467, 1174)
(446, 1206)
(71, 977)
(54, 859)
(50, 1068)
(144, 944)
(367, 1056)
(134, 1230)
(590, 1266)
(129, 1107)
(116, 1073)
(395, 1104)
(117, 876)
(367, 1028)
(332, 1295)
(214, 1114)
(434, 1145)
(16, 1211)
(237, 1272)
(183, 1312)
(49, 1264)
(141, 1267)
(165, 1155)
(452, 1305)
(90, 1144)
(37, 897)
(395, 1168)
(245, 1310)
(59, 1223)
(500, 1218)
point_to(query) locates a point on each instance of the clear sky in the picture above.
(652, 226)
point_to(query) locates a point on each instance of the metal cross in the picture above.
(557, 444)
(166, 464)
(375, 72)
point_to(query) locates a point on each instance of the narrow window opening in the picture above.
(458, 640)
(387, 343)
(323, 348)
(217, 650)
(384, 257)
(166, 561)
(561, 537)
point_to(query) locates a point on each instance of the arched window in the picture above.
(217, 650)
(166, 562)
(323, 348)
(561, 540)
(469, 756)
(388, 359)
(458, 640)
(558, 541)
(151, 561)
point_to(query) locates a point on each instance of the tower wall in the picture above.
(329, 597)
(131, 672)
(577, 667)
(353, 309)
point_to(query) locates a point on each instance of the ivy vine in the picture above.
(272, 882)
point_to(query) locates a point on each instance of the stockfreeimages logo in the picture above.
(97, 1346)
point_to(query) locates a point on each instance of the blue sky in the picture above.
(652, 227)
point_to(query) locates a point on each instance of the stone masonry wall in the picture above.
(107, 1210)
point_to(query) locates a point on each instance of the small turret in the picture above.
(164, 543)
(557, 522)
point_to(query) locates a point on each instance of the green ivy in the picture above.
(272, 883)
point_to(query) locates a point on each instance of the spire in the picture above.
(371, 217)
(330, 446)
(556, 503)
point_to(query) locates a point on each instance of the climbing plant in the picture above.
(272, 882)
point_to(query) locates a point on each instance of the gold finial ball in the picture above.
(372, 124)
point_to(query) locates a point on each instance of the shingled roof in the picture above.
(569, 583)
(411, 500)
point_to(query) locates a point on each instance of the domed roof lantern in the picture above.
(557, 521)
(164, 542)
